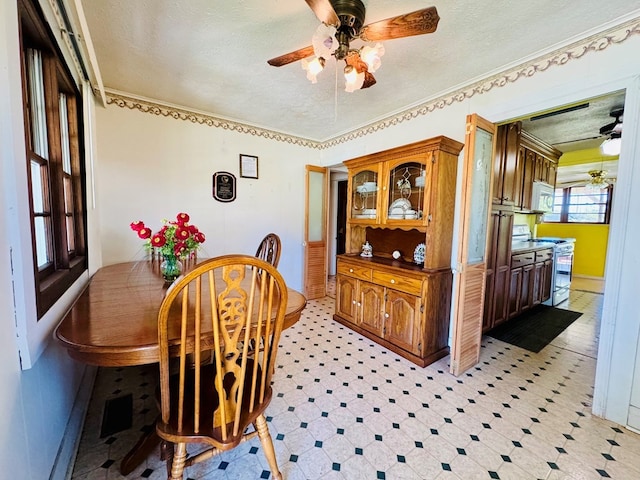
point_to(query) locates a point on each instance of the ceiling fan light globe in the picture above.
(371, 56)
(611, 146)
(353, 79)
(324, 41)
(313, 68)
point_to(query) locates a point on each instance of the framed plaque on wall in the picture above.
(224, 186)
(248, 166)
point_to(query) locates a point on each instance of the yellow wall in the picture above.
(591, 245)
(584, 156)
(591, 240)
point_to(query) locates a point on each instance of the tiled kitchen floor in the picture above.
(346, 408)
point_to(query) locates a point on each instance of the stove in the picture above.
(561, 246)
(562, 261)
(556, 240)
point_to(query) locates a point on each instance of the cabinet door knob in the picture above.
(351, 270)
(386, 315)
(359, 304)
(393, 280)
(353, 301)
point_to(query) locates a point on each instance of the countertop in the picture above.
(523, 247)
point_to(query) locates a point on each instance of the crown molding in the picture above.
(561, 56)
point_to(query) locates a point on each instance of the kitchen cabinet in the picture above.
(397, 200)
(498, 268)
(544, 158)
(515, 292)
(530, 280)
(508, 168)
(543, 276)
(528, 159)
(521, 283)
(520, 160)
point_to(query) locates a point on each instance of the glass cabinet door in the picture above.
(406, 192)
(364, 195)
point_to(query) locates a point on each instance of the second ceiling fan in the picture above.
(343, 22)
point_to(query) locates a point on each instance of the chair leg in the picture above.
(179, 458)
(166, 454)
(267, 445)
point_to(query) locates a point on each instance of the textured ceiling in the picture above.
(211, 56)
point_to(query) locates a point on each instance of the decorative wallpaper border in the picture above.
(145, 106)
(594, 43)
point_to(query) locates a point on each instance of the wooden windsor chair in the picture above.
(225, 304)
(269, 249)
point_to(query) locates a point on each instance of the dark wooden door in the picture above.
(341, 223)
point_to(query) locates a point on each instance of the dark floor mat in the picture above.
(118, 415)
(535, 329)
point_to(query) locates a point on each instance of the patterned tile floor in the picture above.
(346, 408)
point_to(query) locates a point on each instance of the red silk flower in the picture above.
(137, 226)
(179, 248)
(158, 240)
(182, 233)
(175, 237)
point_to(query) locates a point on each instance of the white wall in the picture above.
(36, 403)
(150, 167)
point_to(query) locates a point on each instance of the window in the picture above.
(53, 126)
(580, 205)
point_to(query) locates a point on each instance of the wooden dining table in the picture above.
(113, 323)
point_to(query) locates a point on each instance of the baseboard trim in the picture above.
(65, 459)
(588, 277)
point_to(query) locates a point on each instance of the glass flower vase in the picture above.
(171, 268)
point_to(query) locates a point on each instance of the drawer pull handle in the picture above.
(393, 281)
(351, 270)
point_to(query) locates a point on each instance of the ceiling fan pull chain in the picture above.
(335, 97)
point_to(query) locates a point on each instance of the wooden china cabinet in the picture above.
(398, 200)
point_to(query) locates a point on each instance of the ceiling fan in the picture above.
(613, 131)
(615, 126)
(343, 22)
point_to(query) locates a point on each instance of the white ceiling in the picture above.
(578, 129)
(211, 56)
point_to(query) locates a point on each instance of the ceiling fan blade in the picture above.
(291, 57)
(407, 25)
(607, 129)
(324, 11)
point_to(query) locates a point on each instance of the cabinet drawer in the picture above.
(398, 282)
(522, 259)
(542, 255)
(355, 271)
